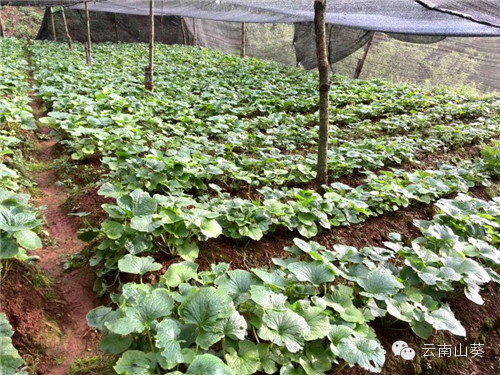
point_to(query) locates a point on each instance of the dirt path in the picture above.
(74, 288)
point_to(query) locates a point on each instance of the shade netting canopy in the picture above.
(417, 17)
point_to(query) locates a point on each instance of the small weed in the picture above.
(98, 364)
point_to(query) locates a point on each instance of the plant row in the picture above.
(305, 312)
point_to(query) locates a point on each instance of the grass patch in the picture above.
(98, 364)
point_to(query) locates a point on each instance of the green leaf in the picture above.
(112, 229)
(318, 322)
(234, 327)
(368, 354)
(265, 297)
(188, 250)
(138, 265)
(246, 360)
(9, 248)
(238, 284)
(314, 272)
(209, 227)
(179, 273)
(115, 344)
(167, 339)
(28, 239)
(144, 224)
(379, 284)
(134, 362)
(444, 319)
(284, 328)
(100, 315)
(139, 203)
(204, 307)
(207, 364)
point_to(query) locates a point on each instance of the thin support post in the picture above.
(116, 27)
(68, 36)
(184, 34)
(195, 33)
(2, 26)
(243, 51)
(324, 92)
(52, 22)
(361, 61)
(88, 43)
(150, 68)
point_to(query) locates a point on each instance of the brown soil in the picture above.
(65, 313)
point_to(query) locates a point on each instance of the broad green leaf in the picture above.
(188, 251)
(246, 360)
(444, 319)
(112, 229)
(207, 364)
(379, 284)
(138, 203)
(9, 248)
(167, 339)
(28, 239)
(137, 265)
(368, 354)
(265, 297)
(318, 322)
(205, 307)
(134, 362)
(235, 326)
(314, 272)
(284, 328)
(238, 284)
(209, 227)
(179, 273)
(115, 344)
(100, 315)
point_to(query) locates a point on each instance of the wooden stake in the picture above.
(324, 92)
(195, 33)
(68, 36)
(243, 51)
(54, 36)
(149, 69)
(2, 26)
(361, 61)
(184, 34)
(88, 47)
(116, 27)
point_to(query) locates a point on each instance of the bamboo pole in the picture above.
(116, 27)
(361, 61)
(2, 26)
(52, 22)
(195, 33)
(243, 51)
(149, 69)
(184, 34)
(68, 36)
(88, 45)
(324, 92)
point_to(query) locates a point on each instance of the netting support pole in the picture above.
(195, 33)
(2, 26)
(88, 43)
(150, 68)
(183, 28)
(53, 24)
(116, 27)
(361, 61)
(243, 51)
(68, 36)
(324, 92)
